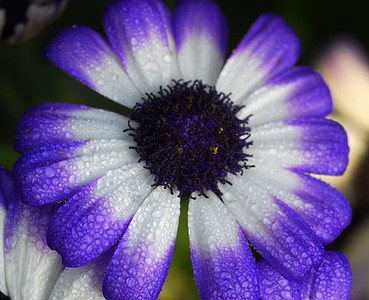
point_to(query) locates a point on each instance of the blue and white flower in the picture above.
(238, 140)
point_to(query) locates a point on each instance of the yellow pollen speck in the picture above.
(162, 122)
(89, 139)
(220, 130)
(214, 150)
(213, 107)
(60, 152)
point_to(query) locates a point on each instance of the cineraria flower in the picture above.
(238, 142)
(28, 268)
(22, 19)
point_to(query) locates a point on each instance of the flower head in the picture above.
(237, 141)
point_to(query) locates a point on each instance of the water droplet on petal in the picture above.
(130, 281)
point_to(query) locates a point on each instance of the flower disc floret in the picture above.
(189, 136)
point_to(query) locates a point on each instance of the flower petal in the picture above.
(31, 267)
(140, 33)
(274, 286)
(311, 145)
(276, 231)
(296, 93)
(86, 55)
(141, 262)
(222, 261)
(96, 217)
(200, 33)
(322, 207)
(54, 173)
(83, 282)
(269, 48)
(6, 193)
(331, 280)
(62, 123)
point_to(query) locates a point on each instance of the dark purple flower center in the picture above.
(189, 136)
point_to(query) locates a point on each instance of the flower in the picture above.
(21, 20)
(238, 142)
(29, 269)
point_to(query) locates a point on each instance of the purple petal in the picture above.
(274, 286)
(6, 188)
(31, 268)
(326, 210)
(6, 193)
(56, 172)
(312, 145)
(62, 123)
(296, 93)
(331, 280)
(324, 143)
(96, 217)
(269, 48)
(222, 261)
(140, 33)
(141, 262)
(83, 282)
(276, 231)
(86, 55)
(322, 207)
(200, 32)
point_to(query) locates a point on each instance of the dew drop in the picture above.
(134, 41)
(130, 282)
(49, 172)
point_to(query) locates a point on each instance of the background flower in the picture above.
(20, 20)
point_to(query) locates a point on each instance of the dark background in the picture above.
(28, 79)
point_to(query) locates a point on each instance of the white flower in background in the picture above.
(22, 19)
